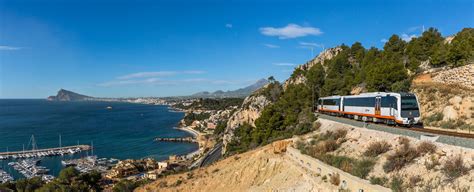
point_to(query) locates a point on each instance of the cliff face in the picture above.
(321, 58)
(65, 95)
(250, 110)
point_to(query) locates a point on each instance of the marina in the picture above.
(176, 139)
(29, 168)
(90, 163)
(47, 152)
(5, 177)
(37, 153)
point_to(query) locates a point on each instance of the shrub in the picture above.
(432, 162)
(327, 146)
(413, 180)
(362, 168)
(377, 148)
(334, 179)
(454, 167)
(426, 147)
(316, 125)
(403, 141)
(400, 158)
(433, 118)
(334, 135)
(397, 184)
(300, 145)
(378, 180)
(324, 178)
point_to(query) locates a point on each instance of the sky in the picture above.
(122, 48)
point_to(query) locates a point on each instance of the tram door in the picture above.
(377, 105)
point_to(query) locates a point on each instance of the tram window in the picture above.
(360, 102)
(389, 101)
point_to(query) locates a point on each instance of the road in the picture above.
(212, 156)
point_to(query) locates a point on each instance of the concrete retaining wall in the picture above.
(320, 168)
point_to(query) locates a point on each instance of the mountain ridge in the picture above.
(242, 92)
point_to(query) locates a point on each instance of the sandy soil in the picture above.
(257, 170)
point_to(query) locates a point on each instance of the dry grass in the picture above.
(377, 148)
(335, 135)
(403, 141)
(335, 179)
(432, 162)
(414, 180)
(426, 147)
(402, 156)
(454, 167)
(323, 147)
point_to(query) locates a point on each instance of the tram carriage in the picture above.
(383, 107)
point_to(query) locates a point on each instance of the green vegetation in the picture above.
(212, 104)
(397, 184)
(189, 118)
(433, 118)
(378, 180)
(128, 186)
(69, 179)
(220, 127)
(290, 115)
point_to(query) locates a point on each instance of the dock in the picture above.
(45, 152)
(177, 139)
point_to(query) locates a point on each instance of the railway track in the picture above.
(441, 132)
(414, 128)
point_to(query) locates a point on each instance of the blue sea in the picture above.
(125, 131)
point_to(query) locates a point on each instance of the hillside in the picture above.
(242, 92)
(65, 95)
(446, 97)
(273, 168)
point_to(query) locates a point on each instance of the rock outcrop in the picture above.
(321, 58)
(65, 95)
(250, 110)
(462, 75)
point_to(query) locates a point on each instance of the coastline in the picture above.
(196, 134)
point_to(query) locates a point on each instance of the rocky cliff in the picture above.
(321, 58)
(250, 110)
(65, 95)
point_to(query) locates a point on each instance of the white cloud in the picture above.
(284, 64)
(271, 45)
(9, 48)
(310, 44)
(157, 74)
(149, 77)
(407, 37)
(157, 81)
(384, 40)
(228, 25)
(290, 31)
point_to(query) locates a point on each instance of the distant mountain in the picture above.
(242, 92)
(65, 95)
